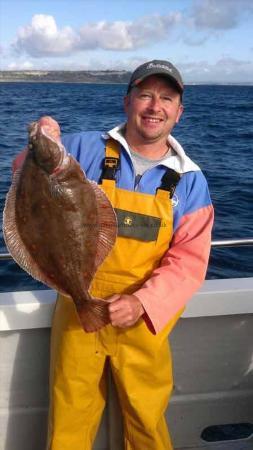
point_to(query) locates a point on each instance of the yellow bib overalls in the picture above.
(140, 361)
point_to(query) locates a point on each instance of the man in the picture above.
(159, 260)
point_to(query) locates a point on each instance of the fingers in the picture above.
(50, 126)
(118, 314)
(125, 310)
(121, 320)
(113, 298)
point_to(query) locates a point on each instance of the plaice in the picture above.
(58, 225)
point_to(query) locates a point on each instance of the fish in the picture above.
(58, 225)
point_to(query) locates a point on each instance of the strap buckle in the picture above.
(110, 167)
(110, 162)
(169, 181)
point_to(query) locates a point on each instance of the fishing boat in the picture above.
(212, 344)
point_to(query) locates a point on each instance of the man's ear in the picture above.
(180, 112)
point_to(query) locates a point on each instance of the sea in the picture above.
(216, 131)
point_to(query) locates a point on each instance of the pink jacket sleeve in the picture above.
(181, 272)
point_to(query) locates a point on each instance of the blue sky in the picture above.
(208, 40)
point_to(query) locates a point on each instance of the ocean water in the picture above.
(216, 131)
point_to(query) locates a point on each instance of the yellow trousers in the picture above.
(142, 372)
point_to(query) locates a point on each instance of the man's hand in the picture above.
(124, 310)
(51, 127)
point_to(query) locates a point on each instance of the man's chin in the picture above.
(151, 136)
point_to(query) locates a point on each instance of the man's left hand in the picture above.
(124, 310)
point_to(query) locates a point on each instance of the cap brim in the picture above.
(163, 74)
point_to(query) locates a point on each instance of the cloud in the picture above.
(24, 65)
(225, 70)
(42, 37)
(218, 14)
(105, 35)
(195, 40)
(121, 35)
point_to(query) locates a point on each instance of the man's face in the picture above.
(152, 108)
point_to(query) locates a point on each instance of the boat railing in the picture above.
(214, 244)
(232, 242)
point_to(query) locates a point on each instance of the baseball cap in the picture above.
(156, 67)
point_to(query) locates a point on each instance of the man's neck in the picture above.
(151, 150)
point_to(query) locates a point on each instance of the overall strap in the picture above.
(169, 181)
(111, 164)
(111, 160)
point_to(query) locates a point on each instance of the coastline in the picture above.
(56, 76)
(87, 77)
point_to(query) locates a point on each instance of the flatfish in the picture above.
(58, 225)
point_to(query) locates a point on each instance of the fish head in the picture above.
(45, 146)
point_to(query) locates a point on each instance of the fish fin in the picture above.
(14, 242)
(93, 314)
(107, 224)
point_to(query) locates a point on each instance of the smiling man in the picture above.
(158, 262)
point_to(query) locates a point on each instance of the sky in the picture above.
(208, 40)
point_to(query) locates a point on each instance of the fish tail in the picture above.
(93, 314)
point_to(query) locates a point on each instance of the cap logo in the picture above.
(159, 66)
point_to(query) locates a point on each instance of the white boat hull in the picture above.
(213, 370)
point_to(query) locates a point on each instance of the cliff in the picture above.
(58, 76)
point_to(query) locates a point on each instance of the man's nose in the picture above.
(155, 103)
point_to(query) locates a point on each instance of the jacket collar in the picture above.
(179, 161)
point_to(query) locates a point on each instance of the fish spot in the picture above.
(86, 274)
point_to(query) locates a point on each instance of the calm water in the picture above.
(216, 131)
